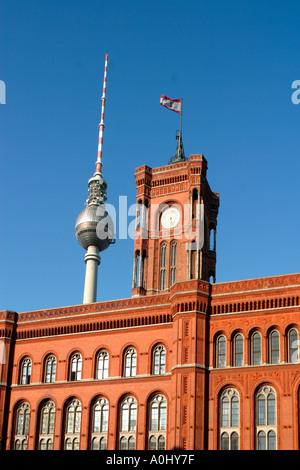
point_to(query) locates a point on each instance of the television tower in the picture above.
(93, 228)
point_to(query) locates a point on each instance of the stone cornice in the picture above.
(256, 284)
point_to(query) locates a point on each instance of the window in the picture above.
(261, 440)
(238, 352)
(139, 269)
(72, 444)
(99, 444)
(138, 215)
(221, 351)
(100, 424)
(224, 441)
(195, 204)
(47, 426)
(25, 371)
(76, 366)
(142, 214)
(50, 369)
(266, 429)
(212, 239)
(293, 346)
(229, 420)
(271, 440)
(256, 349)
(73, 425)
(234, 441)
(102, 365)
(130, 363)
(159, 360)
(22, 426)
(173, 263)
(274, 347)
(163, 266)
(192, 260)
(266, 442)
(128, 415)
(157, 423)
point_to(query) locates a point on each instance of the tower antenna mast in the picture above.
(101, 125)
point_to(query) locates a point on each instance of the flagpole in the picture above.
(181, 117)
(180, 128)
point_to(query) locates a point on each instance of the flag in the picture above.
(174, 105)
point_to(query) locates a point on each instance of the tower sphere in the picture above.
(94, 227)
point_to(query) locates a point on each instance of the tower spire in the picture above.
(94, 229)
(101, 125)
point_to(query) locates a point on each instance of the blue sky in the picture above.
(232, 62)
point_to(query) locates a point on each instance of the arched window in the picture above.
(195, 203)
(47, 419)
(22, 426)
(271, 440)
(274, 347)
(138, 215)
(139, 269)
(261, 440)
(144, 215)
(130, 363)
(224, 441)
(238, 350)
(50, 369)
(234, 441)
(102, 365)
(25, 374)
(266, 428)
(73, 425)
(221, 352)
(212, 239)
(72, 444)
(293, 346)
(75, 367)
(192, 260)
(159, 360)
(173, 267)
(128, 414)
(229, 419)
(157, 423)
(100, 424)
(136, 269)
(163, 266)
(256, 348)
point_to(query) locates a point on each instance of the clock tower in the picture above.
(175, 262)
(176, 220)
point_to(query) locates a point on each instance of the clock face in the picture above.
(170, 217)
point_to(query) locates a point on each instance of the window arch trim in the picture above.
(158, 359)
(129, 366)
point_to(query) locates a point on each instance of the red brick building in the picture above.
(185, 363)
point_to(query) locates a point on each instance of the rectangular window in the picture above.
(132, 421)
(256, 349)
(225, 413)
(163, 418)
(221, 352)
(125, 417)
(261, 411)
(104, 421)
(154, 418)
(271, 409)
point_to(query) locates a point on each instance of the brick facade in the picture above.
(212, 382)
